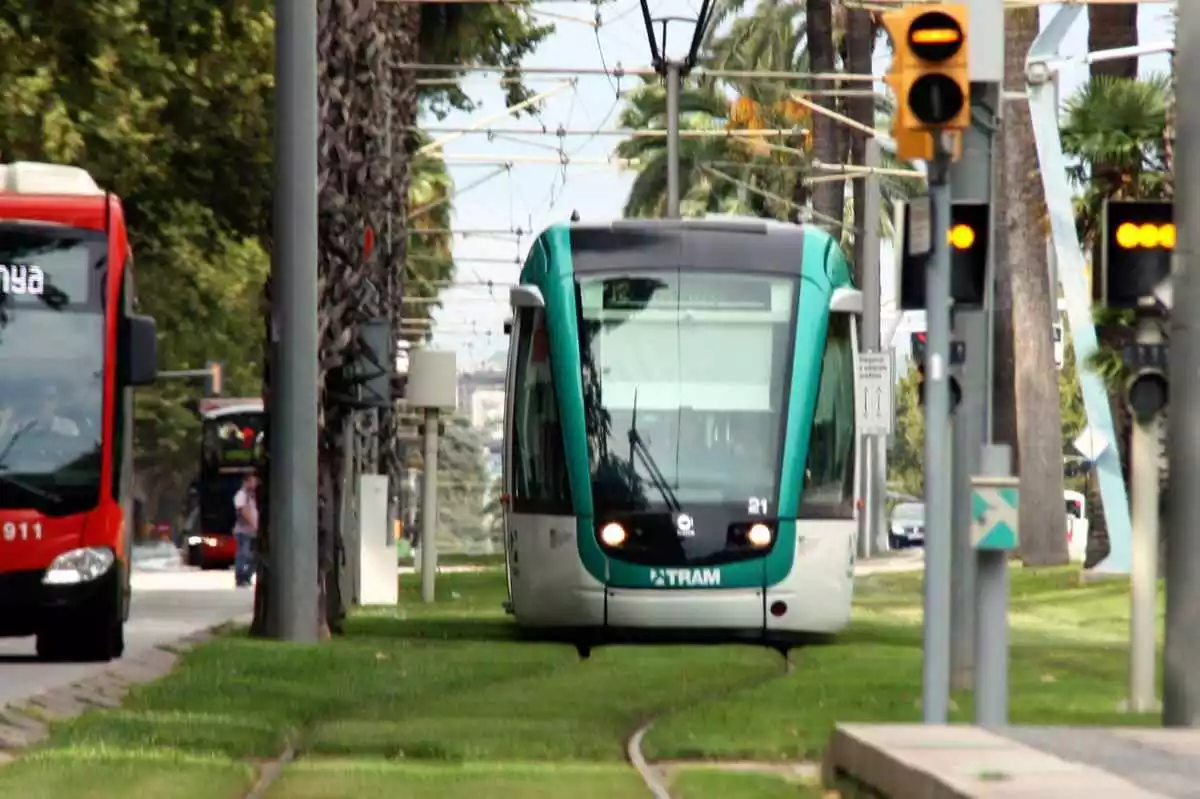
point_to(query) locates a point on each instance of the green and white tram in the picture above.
(680, 454)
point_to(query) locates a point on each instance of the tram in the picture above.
(680, 459)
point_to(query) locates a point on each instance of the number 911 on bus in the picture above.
(22, 531)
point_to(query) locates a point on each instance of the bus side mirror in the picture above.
(141, 351)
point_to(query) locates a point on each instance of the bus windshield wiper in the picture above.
(5, 477)
(636, 444)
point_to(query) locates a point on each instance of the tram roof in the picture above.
(716, 223)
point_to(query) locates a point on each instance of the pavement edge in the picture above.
(28, 722)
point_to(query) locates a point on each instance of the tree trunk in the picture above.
(1004, 401)
(1039, 415)
(860, 41)
(1110, 27)
(403, 25)
(828, 196)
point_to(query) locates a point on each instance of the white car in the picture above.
(907, 526)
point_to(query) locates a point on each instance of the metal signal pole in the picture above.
(673, 73)
(938, 542)
(674, 76)
(293, 489)
(1181, 678)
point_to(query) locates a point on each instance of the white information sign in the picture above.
(874, 412)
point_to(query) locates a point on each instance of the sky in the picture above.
(497, 217)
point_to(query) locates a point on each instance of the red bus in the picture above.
(71, 351)
(231, 447)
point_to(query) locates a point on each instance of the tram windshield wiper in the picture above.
(638, 445)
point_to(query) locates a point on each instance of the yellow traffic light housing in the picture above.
(929, 76)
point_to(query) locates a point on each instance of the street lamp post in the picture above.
(673, 71)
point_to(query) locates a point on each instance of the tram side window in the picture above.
(540, 482)
(829, 474)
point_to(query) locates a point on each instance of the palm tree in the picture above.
(829, 197)
(701, 107)
(859, 43)
(1035, 381)
(1112, 26)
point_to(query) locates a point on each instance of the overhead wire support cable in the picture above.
(633, 133)
(645, 72)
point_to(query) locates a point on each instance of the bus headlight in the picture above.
(613, 534)
(79, 566)
(759, 536)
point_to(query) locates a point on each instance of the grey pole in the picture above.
(293, 489)
(938, 544)
(873, 481)
(991, 605)
(1181, 678)
(1143, 617)
(971, 179)
(674, 76)
(429, 507)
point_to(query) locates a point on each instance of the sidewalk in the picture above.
(965, 762)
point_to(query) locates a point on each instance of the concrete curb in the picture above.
(27, 723)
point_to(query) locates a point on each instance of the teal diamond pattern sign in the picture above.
(995, 506)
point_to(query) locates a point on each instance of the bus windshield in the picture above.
(684, 376)
(51, 370)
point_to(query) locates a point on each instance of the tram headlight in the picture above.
(613, 534)
(759, 536)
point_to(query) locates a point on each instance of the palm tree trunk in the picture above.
(1039, 415)
(353, 160)
(1111, 27)
(860, 41)
(827, 196)
(403, 25)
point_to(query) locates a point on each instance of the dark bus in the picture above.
(231, 447)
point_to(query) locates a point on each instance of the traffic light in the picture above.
(957, 355)
(929, 76)
(918, 354)
(1136, 243)
(1146, 391)
(215, 379)
(968, 238)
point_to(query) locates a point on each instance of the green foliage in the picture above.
(906, 453)
(1113, 133)
(469, 33)
(462, 484)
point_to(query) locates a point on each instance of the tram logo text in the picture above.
(681, 578)
(17, 279)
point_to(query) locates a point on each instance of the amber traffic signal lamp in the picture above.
(929, 76)
(1136, 242)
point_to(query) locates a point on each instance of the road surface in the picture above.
(168, 603)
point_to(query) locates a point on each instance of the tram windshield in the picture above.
(685, 379)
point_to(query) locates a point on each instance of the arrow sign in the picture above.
(995, 505)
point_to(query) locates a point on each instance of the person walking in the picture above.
(245, 530)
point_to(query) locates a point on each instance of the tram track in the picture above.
(657, 780)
